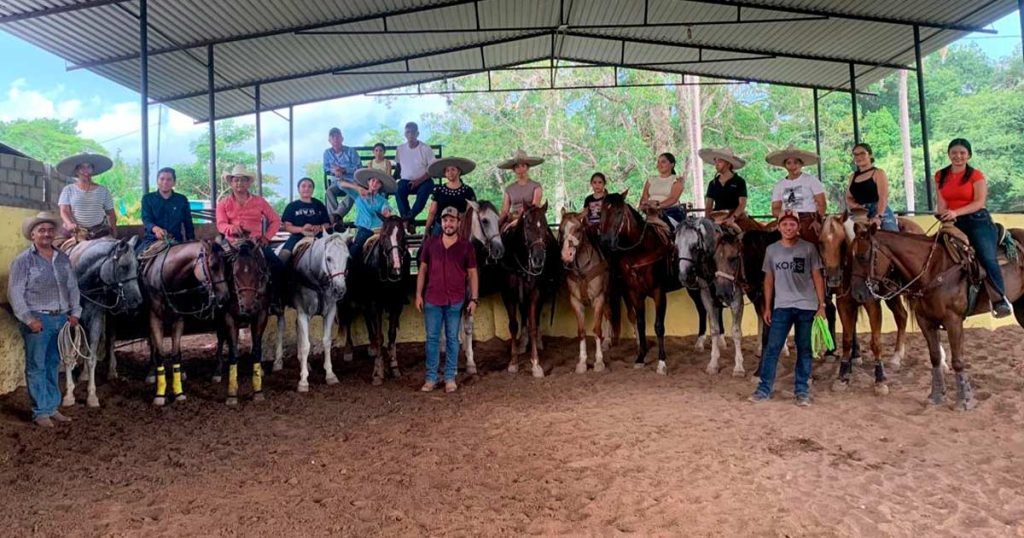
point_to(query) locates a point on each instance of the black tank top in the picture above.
(866, 191)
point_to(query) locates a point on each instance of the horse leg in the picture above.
(345, 321)
(467, 343)
(111, 355)
(532, 329)
(737, 336)
(326, 342)
(702, 317)
(394, 315)
(930, 331)
(231, 331)
(256, 330)
(222, 338)
(660, 305)
(964, 393)
(847, 310)
(581, 330)
(712, 309)
(513, 331)
(874, 309)
(376, 341)
(524, 322)
(641, 333)
(899, 314)
(279, 344)
(96, 329)
(302, 347)
(600, 341)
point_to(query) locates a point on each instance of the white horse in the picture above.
(319, 275)
(480, 225)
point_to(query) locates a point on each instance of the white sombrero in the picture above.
(437, 168)
(238, 170)
(726, 154)
(100, 164)
(518, 157)
(778, 158)
(387, 183)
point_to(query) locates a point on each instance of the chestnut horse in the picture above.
(586, 276)
(936, 283)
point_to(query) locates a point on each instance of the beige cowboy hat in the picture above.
(387, 183)
(778, 158)
(518, 157)
(726, 154)
(30, 223)
(437, 168)
(238, 170)
(100, 164)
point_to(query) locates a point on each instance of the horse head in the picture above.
(571, 234)
(833, 244)
(121, 273)
(534, 226)
(867, 268)
(251, 279)
(392, 249)
(728, 267)
(209, 269)
(484, 227)
(695, 246)
(619, 221)
(334, 268)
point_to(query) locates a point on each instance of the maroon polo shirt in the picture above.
(446, 270)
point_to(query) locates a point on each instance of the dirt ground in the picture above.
(621, 452)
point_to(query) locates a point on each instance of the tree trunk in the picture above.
(908, 172)
(661, 127)
(689, 100)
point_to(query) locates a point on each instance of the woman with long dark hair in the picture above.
(869, 189)
(662, 192)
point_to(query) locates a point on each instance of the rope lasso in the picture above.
(73, 344)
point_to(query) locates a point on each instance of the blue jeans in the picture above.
(783, 319)
(422, 195)
(981, 232)
(450, 316)
(889, 222)
(356, 250)
(42, 357)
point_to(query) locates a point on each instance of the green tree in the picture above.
(232, 148)
(46, 139)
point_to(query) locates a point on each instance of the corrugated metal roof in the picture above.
(292, 47)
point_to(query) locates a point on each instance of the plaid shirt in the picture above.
(40, 284)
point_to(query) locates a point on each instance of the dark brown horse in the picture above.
(887, 264)
(249, 283)
(642, 251)
(185, 280)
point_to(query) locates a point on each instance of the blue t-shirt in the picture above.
(368, 208)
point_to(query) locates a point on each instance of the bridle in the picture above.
(488, 238)
(384, 253)
(700, 260)
(260, 289)
(116, 287)
(625, 210)
(206, 284)
(875, 282)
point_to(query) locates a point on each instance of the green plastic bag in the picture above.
(821, 339)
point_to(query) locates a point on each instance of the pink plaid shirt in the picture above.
(249, 215)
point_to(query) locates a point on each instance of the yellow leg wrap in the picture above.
(176, 379)
(161, 381)
(257, 377)
(233, 380)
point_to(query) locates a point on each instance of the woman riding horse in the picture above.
(86, 207)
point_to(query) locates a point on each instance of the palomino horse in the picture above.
(936, 282)
(641, 249)
(250, 289)
(480, 225)
(108, 281)
(380, 285)
(531, 276)
(586, 276)
(696, 245)
(184, 280)
(319, 271)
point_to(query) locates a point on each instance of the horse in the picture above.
(749, 276)
(480, 224)
(531, 275)
(587, 277)
(696, 245)
(319, 272)
(250, 304)
(937, 282)
(185, 280)
(641, 250)
(380, 284)
(108, 282)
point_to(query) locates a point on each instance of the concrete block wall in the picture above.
(28, 183)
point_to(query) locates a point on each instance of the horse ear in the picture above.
(131, 241)
(844, 216)
(873, 228)
(348, 236)
(563, 212)
(674, 222)
(473, 204)
(625, 193)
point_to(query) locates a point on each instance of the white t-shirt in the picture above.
(88, 207)
(798, 194)
(414, 161)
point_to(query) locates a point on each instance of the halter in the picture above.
(206, 283)
(874, 283)
(263, 281)
(622, 225)
(382, 269)
(117, 287)
(529, 248)
(320, 284)
(699, 261)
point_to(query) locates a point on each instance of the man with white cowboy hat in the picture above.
(524, 191)
(799, 192)
(370, 192)
(727, 192)
(452, 193)
(43, 292)
(86, 207)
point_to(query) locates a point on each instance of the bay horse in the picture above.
(319, 273)
(696, 247)
(249, 283)
(480, 225)
(642, 251)
(108, 282)
(531, 276)
(380, 285)
(185, 280)
(936, 282)
(587, 276)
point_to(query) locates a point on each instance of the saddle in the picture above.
(81, 235)
(301, 248)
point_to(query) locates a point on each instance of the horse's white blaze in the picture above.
(395, 260)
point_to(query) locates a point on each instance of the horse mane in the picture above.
(486, 204)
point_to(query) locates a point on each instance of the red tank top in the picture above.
(956, 192)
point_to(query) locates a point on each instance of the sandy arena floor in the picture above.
(625, 451)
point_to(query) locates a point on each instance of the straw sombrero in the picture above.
(778, 158)
(100, 164)
(30, 223)
(238, 170)
(437, 168)
(726, 154)
(518, 157)
(387, 183)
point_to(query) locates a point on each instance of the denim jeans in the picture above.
(422, 195)
(782, 320)
(981, 232)
(42, 358)
(338, 203)
(450, 317)
(889, 222)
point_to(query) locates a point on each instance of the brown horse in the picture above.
(642, 251)
(249, 282)
(936, 282)
(185, 280)
(586, 276)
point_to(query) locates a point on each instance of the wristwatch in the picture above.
(474, 300)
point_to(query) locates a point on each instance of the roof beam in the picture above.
(842, 15)
(56, 10)
(248, 83)
(520, 67)
(267, 33)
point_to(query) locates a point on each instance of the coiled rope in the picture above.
(73, 345)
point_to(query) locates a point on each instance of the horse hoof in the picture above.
(303, 387)
(538, 372)
(377, 381)
(699, 346)
(216, 379)
(599, 366)
(180, 398)
(895, 365)
(158, 401)
(67, 402)
(881, 389)
(277, 367)
(857, 361)
(92, 401)
(333, 380)
(231, 401)
(112, 375)
(471, 370)
(755, 379)
(581, 368)
(638, 365)
(662, 369)
(830, 358)
(258, 397)
(739, 372)
(150, 379)
(966, 405)
(512, 368)
(396, 374)
(937, 400)
(347, 356)
(840, 385)
(711, 370)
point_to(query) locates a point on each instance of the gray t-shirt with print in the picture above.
(793, 268)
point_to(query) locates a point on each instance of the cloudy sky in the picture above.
(35, 84)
